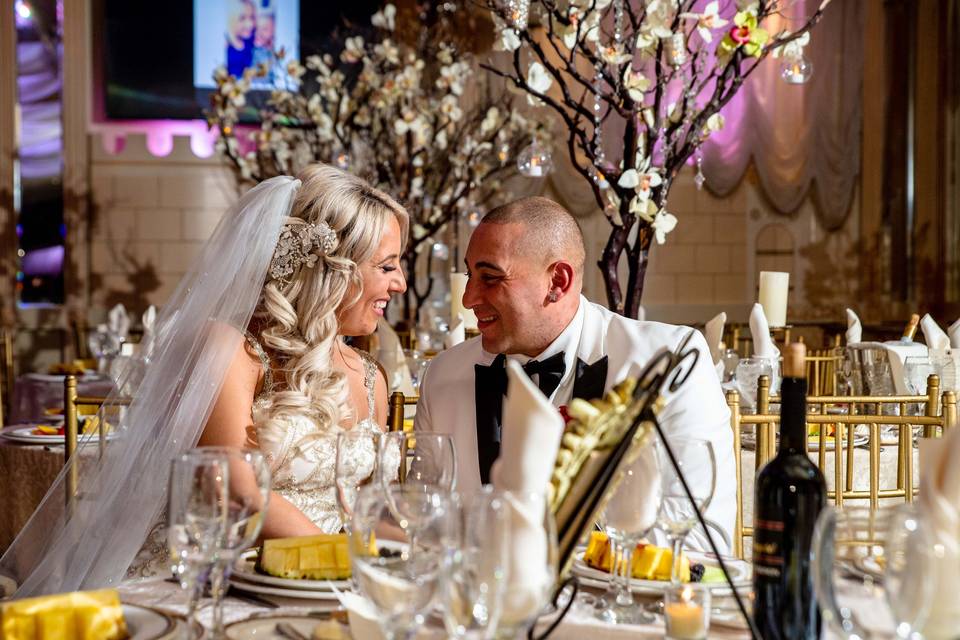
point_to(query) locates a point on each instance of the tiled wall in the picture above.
(152, 215)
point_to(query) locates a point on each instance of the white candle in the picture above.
(774, 287)
(458, 284)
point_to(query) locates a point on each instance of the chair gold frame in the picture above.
(395, 416)
(939, 415)
(8, 377)
(71, 427)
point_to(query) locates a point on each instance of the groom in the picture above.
(525, 263)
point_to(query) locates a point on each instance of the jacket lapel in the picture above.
(489, 386)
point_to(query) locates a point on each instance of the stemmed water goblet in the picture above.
(630, 514)
(415, 462)
(400, 574)
(355, 466)
(695, 458)
(216, 506)
(874, 573)
(474, 576)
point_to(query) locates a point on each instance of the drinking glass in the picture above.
(630, 514)
(417, 462)
(873, 574)
(730, 359)
(475, 567)
(748, 373)
(916, 370)
(400, 574)
(217, 502)
(678, 515)
(531, 563)
(355, 466)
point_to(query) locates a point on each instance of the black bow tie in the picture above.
(550, 371)
(491, 385)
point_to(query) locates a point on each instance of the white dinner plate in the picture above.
(26, 435)
(144, 623)
(740, 573)
(286, 592)
(748, 441)
(265, 626)
(245, 569)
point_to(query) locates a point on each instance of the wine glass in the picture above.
(217, 502)
(696, 460)
(417, 462)
(867, 559)
(355, 466)
(398, 573)
(748, 373)
(474, 574)
(531, 563)
(629, 515)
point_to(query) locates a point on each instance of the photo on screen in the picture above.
(237, 34)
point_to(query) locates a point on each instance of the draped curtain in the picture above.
(799, 137)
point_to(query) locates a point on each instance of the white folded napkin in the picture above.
(457, 333)
(148, 319)
(641, 313)
(394, 361)
(118, 322)
(713, 332)
(933, 335)
(954, 333)
(532, 429)
(763, 345)
(854, 328)
(898, 353)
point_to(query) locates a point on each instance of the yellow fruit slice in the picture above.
(650, 562)
(80, 615)
(322, 557)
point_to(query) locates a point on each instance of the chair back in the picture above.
(821, 371)
(395, 416)
(7, 373)
(938, 416)
(71, 427)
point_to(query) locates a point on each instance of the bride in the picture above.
(248, 352)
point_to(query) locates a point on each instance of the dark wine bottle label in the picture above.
(768, 548)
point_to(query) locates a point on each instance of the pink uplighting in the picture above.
(159, 135)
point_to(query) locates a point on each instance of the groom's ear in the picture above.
(562, 278)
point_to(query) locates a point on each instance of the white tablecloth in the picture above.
(34, 392)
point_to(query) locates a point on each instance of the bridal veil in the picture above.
(172, 385)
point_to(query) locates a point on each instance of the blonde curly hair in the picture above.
(299, 319)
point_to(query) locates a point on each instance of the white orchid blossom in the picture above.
(643, 207)
(386, 18)
(615, 55)
(794, 48)
(539, 80)
(636, 84)
(714, 123)
(707, 21)
(490, 120)
(663, 223)
(353, 50)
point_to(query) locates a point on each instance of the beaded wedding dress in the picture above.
(303, 459)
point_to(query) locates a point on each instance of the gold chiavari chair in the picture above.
(7, 374)
(72, 402)
(821, 372)
(398, 403)
(939, 415)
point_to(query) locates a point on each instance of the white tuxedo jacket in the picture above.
(697, 409)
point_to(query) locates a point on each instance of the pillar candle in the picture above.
(774, 287)
(458, 283)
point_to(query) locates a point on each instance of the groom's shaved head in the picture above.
(549, 230)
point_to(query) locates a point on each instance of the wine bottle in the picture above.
(790, 492)
(911, 328)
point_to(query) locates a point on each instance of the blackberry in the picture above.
(696, 572)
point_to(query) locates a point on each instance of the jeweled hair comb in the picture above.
(301, 245)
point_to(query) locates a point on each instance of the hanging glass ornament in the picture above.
(676, 49)
(796, 68)
(441, 251)
(699, 179)
(535, 160)
(342, 160)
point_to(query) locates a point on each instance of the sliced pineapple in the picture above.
(68, 616)
(650, 562)
(322, 557)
